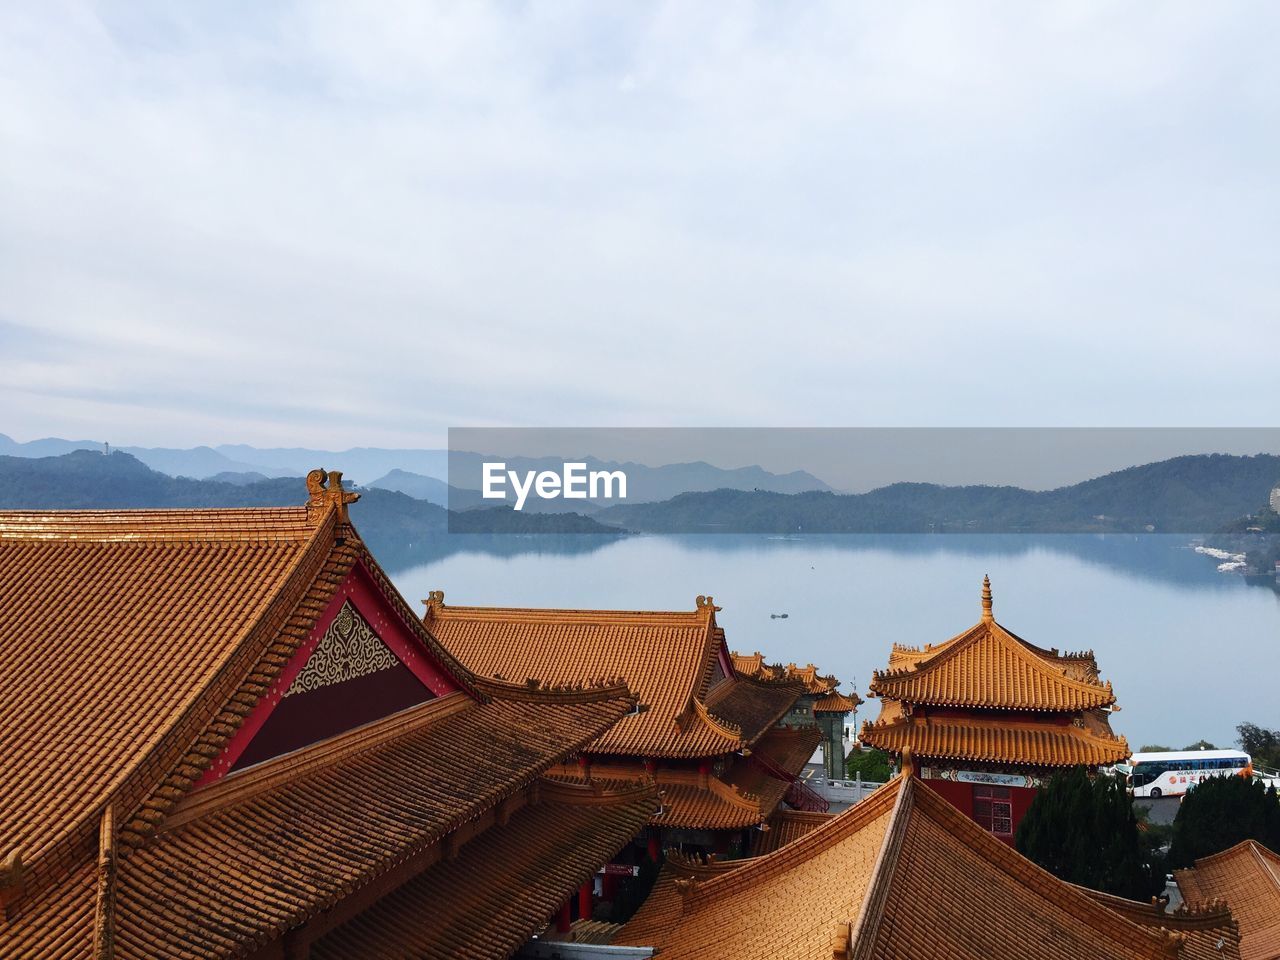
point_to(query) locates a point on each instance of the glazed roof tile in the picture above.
(502, 886)
(178, 621)
(98, 604)
(753, 665)
(268, 863)
(900, 875)
(1033, 744)
(786, 826)
(837, 702)
(988, 667)
(1247, 877)
(1209, 931)
(668, 659)
(750, 706)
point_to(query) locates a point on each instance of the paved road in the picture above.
(1160, 809)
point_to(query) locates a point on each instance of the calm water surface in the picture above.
(1190, 652)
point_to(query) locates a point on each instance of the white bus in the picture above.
(1173, 774)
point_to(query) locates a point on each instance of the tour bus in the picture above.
(1174, 773)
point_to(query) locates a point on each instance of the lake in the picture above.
(1190, 652)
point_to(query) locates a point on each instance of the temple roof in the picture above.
(1247, 877)
(753, 665)
(670, 659)
(836, 702)
(1090, 743)
(502, 886)
(745, 795)
(990, 668)
(900, 875)
(98, 604)
(136, 644)
(1208, 931)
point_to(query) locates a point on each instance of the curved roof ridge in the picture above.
(1204, 915)
(1258, 849)
(606, 688)
(839, 828)
(587, 793)
(1007, 860)
(731, 732)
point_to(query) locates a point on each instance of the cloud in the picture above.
(339, 224)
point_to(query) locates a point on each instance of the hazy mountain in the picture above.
(359, 464)
(47, 447)
(415, 485)
(197, 462)
(644, 483)
(1192, 494)
(388, 520)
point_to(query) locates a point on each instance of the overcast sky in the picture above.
(341, 224)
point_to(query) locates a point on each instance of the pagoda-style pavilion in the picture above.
(903, 875)
(991, 716)
(1247, 879)
(711, 739)
(821, 704)
(226, 735)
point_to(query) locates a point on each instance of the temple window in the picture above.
(993, 809)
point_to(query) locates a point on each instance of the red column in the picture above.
(655, 844)
(584, 901)
(562, 918)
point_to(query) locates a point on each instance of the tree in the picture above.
(871, 764)
(1083, 830)
(1154, 748)
(1221, 812)
(1200, 745)
(1260, 743)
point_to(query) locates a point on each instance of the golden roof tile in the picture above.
(997, 741)
(502, 886)
(988, 667)
(1247, 877)
(668, 658)
(900, 875)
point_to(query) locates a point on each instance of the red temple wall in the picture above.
(960, 796)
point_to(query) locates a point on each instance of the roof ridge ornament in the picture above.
(706, 603)
(987, 616)
(435, 600)
(326, 493)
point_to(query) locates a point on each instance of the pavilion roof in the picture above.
(982, 739)
(670, 659)
(900, 875)
(501, 889)
(988, 667)
(1247, 877)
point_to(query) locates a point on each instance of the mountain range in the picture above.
(1192, 494)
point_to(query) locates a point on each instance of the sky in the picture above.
(337, 224)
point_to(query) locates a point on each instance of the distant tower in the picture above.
(106, 449)
(1275, 499)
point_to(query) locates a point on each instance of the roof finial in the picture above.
(907, 764)
(326, 492)
(986, 599)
